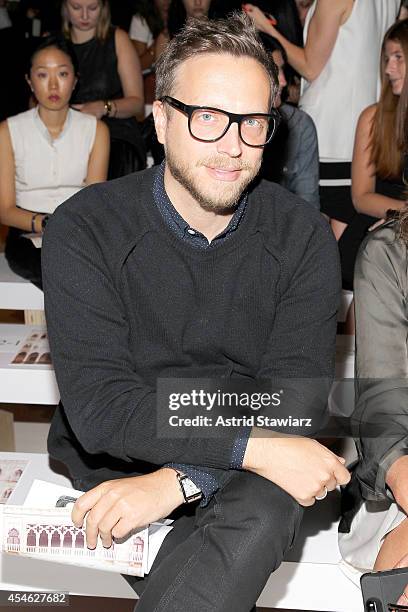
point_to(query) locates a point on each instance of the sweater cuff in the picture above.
(203, 480)
(239, 448)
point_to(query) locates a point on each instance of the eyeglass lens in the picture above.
(206, 124)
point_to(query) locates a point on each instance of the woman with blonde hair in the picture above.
(110, 80)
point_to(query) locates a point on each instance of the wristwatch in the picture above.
(190, 491)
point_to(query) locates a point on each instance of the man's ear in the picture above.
(160, 120)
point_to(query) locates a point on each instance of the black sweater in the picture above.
(128, 302)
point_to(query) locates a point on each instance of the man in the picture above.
(189, 271)
(292, 157)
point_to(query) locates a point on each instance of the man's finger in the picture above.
(85, 503)
(341, 474)
(123, 527)
(94, 518)
(108, 524)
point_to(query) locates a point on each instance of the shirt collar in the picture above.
(168, 211)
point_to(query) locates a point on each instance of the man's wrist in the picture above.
(173, 486)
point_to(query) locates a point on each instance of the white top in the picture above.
(49, 171)
(140, 31)
(350, 80)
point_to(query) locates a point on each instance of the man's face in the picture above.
(213, 174)
(278, 59)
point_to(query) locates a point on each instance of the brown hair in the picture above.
(103, 25)
(235, 36)
(390, 126)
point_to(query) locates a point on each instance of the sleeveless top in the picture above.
(349, 82)
(392, 188)
(98, 70)
(49, 171)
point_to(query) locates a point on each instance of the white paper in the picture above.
(44, 494)
(36, 239)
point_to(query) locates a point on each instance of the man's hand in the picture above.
(116, 507)
(300, 466)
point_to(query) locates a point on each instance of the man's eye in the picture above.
(206, 117)
(252, 122)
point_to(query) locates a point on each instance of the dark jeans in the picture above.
(23, 257)
(219, 558)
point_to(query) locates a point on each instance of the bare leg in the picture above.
(394, 547)
(338, 228)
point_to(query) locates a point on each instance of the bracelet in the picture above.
(33, 218)
(108, 107)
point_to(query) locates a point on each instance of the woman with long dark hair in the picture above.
(148, 22)
(378, 177)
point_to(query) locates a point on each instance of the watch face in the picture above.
(190, 490)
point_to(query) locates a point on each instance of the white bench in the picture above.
(309, 579)
(21, 384)
(16, 293)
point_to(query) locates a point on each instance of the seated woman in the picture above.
(46, 154)
(340, 79)
(148, 22)
(379, 150)
(374, 530)
(110, 80)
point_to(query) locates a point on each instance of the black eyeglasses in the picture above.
(210, 124)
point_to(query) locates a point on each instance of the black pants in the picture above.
(349, 245)
(23, 257)
(219, 558)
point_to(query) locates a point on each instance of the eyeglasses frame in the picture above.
(189, 109)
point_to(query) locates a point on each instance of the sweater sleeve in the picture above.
(108, 405)
(381, 415)
(301, 347)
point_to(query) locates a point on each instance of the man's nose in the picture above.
(231, 142)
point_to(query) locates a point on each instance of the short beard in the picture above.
(222, 203)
